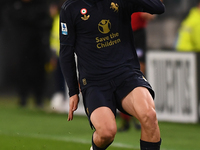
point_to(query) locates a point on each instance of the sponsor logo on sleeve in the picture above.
(64, 28)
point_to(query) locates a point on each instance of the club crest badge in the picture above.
(84, 12)
(114, 6)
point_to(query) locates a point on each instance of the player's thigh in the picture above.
(103, 119)
(138, 102)
(99, 107)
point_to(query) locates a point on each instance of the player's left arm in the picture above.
(152, 6)
(147, 16)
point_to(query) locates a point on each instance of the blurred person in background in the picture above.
(26, 30)
(189, 31)
(58, 100)
(139, 22)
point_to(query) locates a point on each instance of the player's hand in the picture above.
(73, 105)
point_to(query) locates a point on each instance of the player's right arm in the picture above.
(67, 57)
(68, 66)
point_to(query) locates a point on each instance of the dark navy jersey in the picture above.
(99, 32)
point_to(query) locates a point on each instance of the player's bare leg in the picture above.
(104, 122)
(140, 104)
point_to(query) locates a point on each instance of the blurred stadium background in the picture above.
(178, 109)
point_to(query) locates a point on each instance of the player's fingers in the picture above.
(73, 105)
(70, 114)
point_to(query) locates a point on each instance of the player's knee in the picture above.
(108, 133)
(149, 120)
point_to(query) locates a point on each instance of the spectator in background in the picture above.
(139, 22)
(189, 31)
(58, 101)
(26, 30)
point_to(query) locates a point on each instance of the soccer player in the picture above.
(99, 33)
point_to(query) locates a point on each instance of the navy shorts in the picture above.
(110, 94)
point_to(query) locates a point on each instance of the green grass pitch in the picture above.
(32, 129)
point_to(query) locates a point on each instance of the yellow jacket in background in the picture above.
(54, 38)
(189, 32)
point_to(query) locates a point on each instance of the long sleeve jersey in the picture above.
(99, 32)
